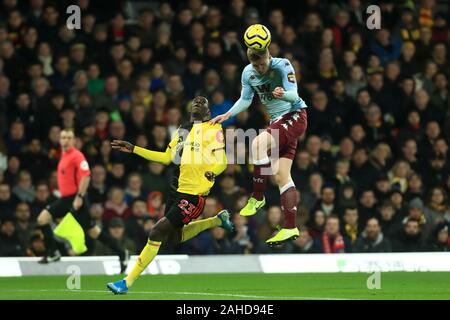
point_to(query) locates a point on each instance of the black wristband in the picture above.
(80, 195)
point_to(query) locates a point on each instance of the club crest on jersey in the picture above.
(219, 136)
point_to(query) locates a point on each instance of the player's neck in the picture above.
(65, 150)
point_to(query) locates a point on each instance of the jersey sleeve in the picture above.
(216, 146)
(215, 155)
(81, 167)
(161, 157)
(246, 98)
(247, 92)
(288, 75)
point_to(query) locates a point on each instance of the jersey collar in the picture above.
(71, 149)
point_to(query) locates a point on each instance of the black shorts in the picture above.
(183, 208)
(62, 206)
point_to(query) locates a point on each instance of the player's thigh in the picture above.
(163, 229)
(44, 218)
(262, 144)
(184, 209)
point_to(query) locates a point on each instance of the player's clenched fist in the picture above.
(123, 146)
(210, 176)
(278, 92)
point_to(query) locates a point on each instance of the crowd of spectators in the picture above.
(373, 170)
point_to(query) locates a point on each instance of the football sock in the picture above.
(194, 228)
(260, 178)
(289, 201)
(147, 255)
(49, 242)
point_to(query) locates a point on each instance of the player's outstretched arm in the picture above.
(238, 107)
(156, 156)
(242, 104)
(122, 146)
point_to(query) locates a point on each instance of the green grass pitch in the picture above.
(394, 285)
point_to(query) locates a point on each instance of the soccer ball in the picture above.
(257, 37)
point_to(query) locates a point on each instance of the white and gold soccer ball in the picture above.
(257, 37)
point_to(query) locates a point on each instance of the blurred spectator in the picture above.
(42, 199)
(350, 225)
(316, 224)
(97, 189)
(139, 224)
(115, 206)
(10, 243)
(372, 239)
(437, 205)
(326, 203)
(155, 204)
(416, 211)
(367, 206)
(134, 188)
(241, 238)
(116, 229)
(221, 244)
(24, 190)
(389, 220)
(408, 240)
(24, 225)
(440, 238)
(331, 240)
(7, 201)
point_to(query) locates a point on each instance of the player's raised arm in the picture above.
(241, 104)
(156, 156)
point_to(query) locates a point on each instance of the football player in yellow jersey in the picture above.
(198, 151)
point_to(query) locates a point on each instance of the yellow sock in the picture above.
(147, 255)
(194, 228)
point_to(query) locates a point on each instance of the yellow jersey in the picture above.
(195, 151)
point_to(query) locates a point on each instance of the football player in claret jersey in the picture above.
(198, 151)
(273, 79)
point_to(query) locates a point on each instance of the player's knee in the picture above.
(282, 178)
(278, 179)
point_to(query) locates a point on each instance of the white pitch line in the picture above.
(231, 295)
